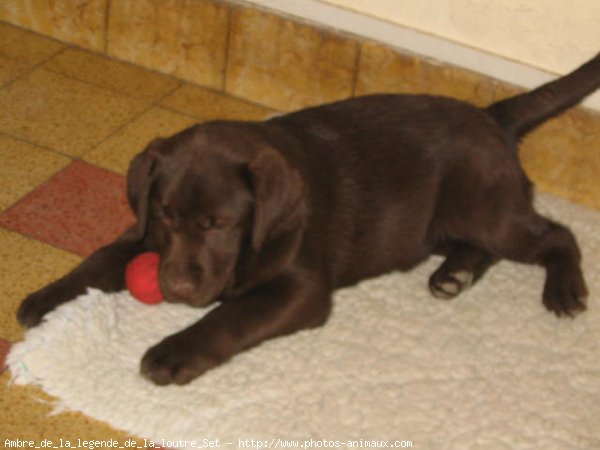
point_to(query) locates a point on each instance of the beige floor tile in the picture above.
(186, 38)
(26, 415)
(63, 114)
(11, 69)
(117, 151)
(210, 105)
(26, 265)
(108, 73)
(77, 21)
(26, 46)
(285, 64)
(23, 168)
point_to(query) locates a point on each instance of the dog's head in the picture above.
(211, 200)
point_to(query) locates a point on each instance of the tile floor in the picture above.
(70, 123)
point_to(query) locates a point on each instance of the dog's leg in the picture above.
(287, 304)
(104, 269)
(535, 239)
(464, 265)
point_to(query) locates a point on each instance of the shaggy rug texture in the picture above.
(491, 369)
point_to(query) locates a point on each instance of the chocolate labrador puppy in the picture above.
(268, 218)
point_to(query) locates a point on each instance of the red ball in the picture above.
(141, 278)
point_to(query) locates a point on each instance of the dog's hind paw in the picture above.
(565, 293)
(448, 285)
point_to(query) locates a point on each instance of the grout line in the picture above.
(158, 101)
(114, 131)
(175, 110)
(39, 146)
(25, 71)
(96, 86)
(30, 70)
(230, 13)
(107, 25)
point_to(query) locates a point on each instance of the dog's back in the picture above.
(388, 164)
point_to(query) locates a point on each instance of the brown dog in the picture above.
(269, 218)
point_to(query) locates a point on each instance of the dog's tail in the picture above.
(520, 114)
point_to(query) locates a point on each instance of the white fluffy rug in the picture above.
(489, 370)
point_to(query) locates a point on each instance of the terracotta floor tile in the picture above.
(24, 167)
(79, 209)
(16, 43)
(116, 152)
(210, 105)
(26, 265)
(63, 114)
(108, 73)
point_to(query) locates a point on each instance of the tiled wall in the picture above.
(286, 64)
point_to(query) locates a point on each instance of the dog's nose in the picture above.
(179, 282)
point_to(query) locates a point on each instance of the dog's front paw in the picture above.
(565, 292)
(33, 309)
(177, 360)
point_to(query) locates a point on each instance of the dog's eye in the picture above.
(167, 213)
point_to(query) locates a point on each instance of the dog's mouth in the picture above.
(195, 294)
(195, 297)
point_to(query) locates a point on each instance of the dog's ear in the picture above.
(279, 218)
(139, 180)
(278, 197)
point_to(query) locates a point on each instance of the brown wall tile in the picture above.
(80, 22)
(186, 38)
(286, 65)
(382, 69)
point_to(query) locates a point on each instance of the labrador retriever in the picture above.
(268, 218)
